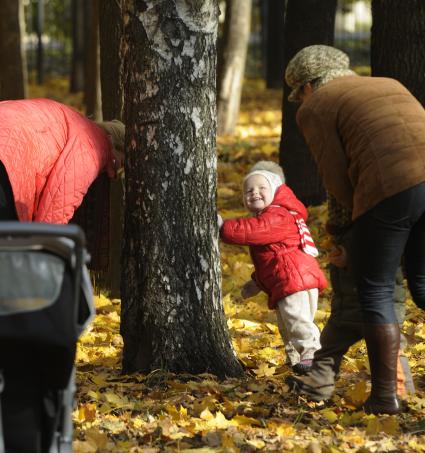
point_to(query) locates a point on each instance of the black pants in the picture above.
(7, 202)
(381, 236)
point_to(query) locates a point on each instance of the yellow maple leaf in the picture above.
(116, 400)
(97, 438)
(264, 370)
(206, 414)
(170, 429)
(390, 425)
(220, 421)
(243, 420)
(243, 344)
(86, 412)
(79, 446)
(358, 393)
(257, 443)
(227, 442)
(209, 402)
(330, 415)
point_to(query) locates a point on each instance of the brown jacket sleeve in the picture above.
(326, 148)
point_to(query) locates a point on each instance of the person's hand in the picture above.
(115, 167)
(219, 221)
(118, 160)
(249, 289)
(338, 256)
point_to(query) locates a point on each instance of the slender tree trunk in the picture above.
(111, 29)
(172, 316)
(40, 50)
(101, 213)
(13, 74)
(397, 43)
(77, 63)
(110, 33)
(92, 91)
(235, 44)
(273, 19)
(307, 22)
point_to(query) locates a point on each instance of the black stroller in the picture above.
(46, 301)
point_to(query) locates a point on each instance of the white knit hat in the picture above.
(273, 179)
(270, 166)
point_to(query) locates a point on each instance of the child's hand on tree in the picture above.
(249, 289)
(219, 221)
(338, 256)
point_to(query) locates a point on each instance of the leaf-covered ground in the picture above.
(164, 412)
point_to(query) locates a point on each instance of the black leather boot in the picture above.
(383, 344)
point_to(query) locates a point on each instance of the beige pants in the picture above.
(295, 319)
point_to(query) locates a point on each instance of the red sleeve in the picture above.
(274, 225)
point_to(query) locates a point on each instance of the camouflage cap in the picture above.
(314, 62)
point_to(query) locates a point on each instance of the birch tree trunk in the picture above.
(231, 72)
(172, 316)
(307, 22)
(13, 74)
(397, 43)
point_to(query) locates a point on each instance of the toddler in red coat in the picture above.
(283, 254)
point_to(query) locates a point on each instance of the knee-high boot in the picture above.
(383, 344)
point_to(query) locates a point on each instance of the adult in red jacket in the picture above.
(283, 270)
(49, 156)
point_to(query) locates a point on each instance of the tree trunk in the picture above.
(397, 43)
(307, 22)
(111, 29)
(92, 92)
(273, 19)
(172, 316)
(40, 50)
(110, 34)
(13, 74)
(77, 63)
(235, 45)
(93, 215)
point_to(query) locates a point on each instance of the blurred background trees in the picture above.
(13, 75)
(397, 49)
(58, 37)
(75, 47)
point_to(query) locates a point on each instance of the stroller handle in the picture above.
(73, 232)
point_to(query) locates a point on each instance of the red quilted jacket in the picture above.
(281, 267)
(52, 154)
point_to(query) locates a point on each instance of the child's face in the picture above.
(257, 193)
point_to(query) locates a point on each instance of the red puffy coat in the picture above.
(52, 154)
(281, 266)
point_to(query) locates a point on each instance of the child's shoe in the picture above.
(303, 367)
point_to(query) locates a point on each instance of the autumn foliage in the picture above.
(165, 412)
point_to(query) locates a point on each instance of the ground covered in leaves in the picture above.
(166, 412)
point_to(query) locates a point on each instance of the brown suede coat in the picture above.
(367, 135)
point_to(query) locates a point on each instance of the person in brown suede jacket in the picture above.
(367, 136)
